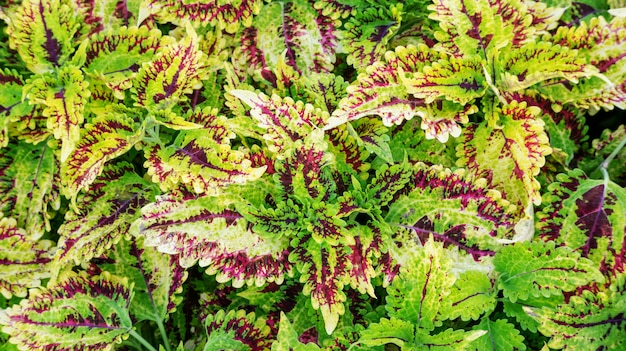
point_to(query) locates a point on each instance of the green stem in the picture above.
(143, 341)
(605, 163)
(163, 334)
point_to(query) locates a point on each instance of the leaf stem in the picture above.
(143, 341)
(166, 341)
(607, 161)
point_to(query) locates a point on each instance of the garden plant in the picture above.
(312, 175)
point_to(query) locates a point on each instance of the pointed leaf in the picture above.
(447, 340)
(43, 32)
(472, 295)
(176, 70)
(77, 313)
(205, 229)
(197, 159)
(105, 138)
(29, 179)
(107, 212)
(287, 338)
(24, 262)
(64, 98)
(12, 108)
(388, 331)
(521, 145)
(539, 269)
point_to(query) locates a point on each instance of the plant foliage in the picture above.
(312, 175)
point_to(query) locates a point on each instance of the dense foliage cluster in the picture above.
(312, 175)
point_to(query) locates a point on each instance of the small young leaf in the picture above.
(79, 312)
(541, 269)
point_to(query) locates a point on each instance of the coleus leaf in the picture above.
(455, 208)
(590, 320)
(11, 105)
(237, 330)
(287, 338)
(106, 15)
(601, 148)
(105, 138)
(107, 212)
(294, 31)
(389, 331)
(284, 119)
(198, 159)
(29, 179)
(64, 96)
(449, 339)
(24, 261)
(43, 32)
(541, 269)
(207, 231)
(586, 215)
(521, 144)
(416, 294)
(472, 295)
(158, 278)
(381, 89)
(114, 56)
(500, 335)
(79, 312)
(175, 70)
(367, 34)
(325, 90)
(228, 14)
(601, 43)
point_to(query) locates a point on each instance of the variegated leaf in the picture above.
(367, 34)
(456, 79)
(114, 56)
(106, 15)
(600, 151)
(107, 211)
(207, 231)
(586, 215)
(176, 70)
(284, 119)
(42, 32)
(381, 89)
(325, 90)
(64, 97)
(105, 138)
(520, 145)
(227, 14)
(294, 31)
(79, 312)
(481, 27)
(602, 43)
(237, 330)
(198, 159)
(334, 8)
(453, 207)
(157, 276)
(29, 186)
(24, 261)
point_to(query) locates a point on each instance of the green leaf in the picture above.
(287, 339)
(105, 138)
(42, 32)
(236, 330)
(500, 335)
(541, 269)
(78, 312)
(471, 296)
(12, 108)
(447, 340)
(24, 262)
(64, 96)
(107, 212)
(423, 283)
(29, 186)
(388, 331)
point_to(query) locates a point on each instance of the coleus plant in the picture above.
(308, 175)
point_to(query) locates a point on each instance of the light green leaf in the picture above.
(499, 336)
(287, 339)
(388, 331)
(447, 340)
(472, 295)
(540, 269)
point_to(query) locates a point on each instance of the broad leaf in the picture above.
(42, 32)
(107, 212)
(541, 269)
(471, 296)
(236, 330)
(11, 105)
(447, 340)
(24, 261)
(64, 96)
(105, 138)
(29, 180)
(287, 338)
(389, 331)
(500, 335)
(520, 146)
(207, 231)
(79, 312)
